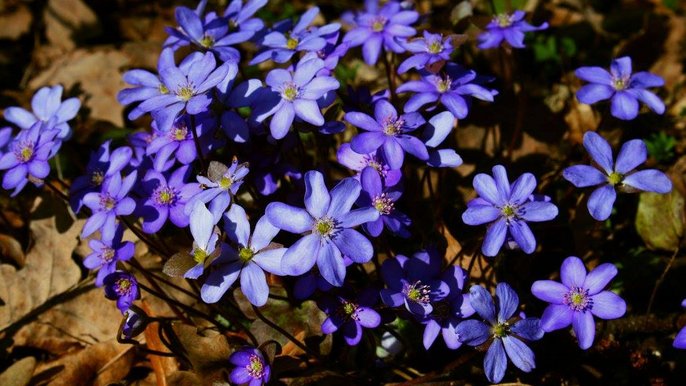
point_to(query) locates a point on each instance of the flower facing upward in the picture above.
(328, 218)
(122, 287)
(426, 51)
(505, 333)
(166, 199)
(219, 186)
(105, 255)
(611, 176)
(510, 28)
(47, 107)
(619, 85)
(106, 205)
(507, 209)
(251, 367)
(578, 299)
(350, 316)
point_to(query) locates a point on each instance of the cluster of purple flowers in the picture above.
(179, 174)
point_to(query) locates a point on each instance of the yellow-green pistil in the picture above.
(291, 43)
(379, 24)
(508, 211)
(619, 83)
(255, 367)
(123, 286)
(504, 20)
(290, 92)
(500, 330)
(199, 255)
(245, 254)
(185, 93)
(324, 226)
(225, 182)
(443, 85)
(207, 41)
(614, 178)
(435, 47)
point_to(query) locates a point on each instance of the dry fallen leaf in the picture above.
(69, 21)
(11, 249)
(20, 373)
(15, 22)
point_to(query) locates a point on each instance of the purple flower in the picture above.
(254, 254)
(294, 93)
(27, 158)
(47, 107)
(185, 88)
(107, 204)
(506, 209)
(350, 316)
(383, 200)
(619, 85)
(166, 199)
(102, 165)
(430, 49)
(178, 141)
(387, 27)
(328, 218)
(219, 186)
(435, 132)
(235, 127)
(122, 287)
(105, 255)
(413, 282)
(578, 298)
(450, 89)
(204, 251)
(510, 28)
(209, 33)
(619, 174)
(389, 131)
(505, 334)
(358, 162)
(330, 54)
(148, 85)
(240, 16)
(251, 367)
(680, 340)
(282, 46)
(447, 311)
(5, 138)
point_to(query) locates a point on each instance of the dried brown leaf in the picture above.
(20, 373)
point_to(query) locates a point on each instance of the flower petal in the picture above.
(254, 284)
(317, 197)
(600, 202)
(301, 256)
(608, 305)
(330, 264)
(556, 316)
(650, 180)
(599, 149)
(520, 354)
(624, 106)
(495, 237)
(482, 302)
(472, 332)
(289, 218)
(584, 328)
(508, 301)
(583, 176)
(573, 272)
(495, 362)
(599, 277)
(549, 291)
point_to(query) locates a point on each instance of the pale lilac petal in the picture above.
(650, 180)
(600, 202)
(549, 291)
(608, 305)
(317, 197)
(583, 176)
(555, 317)
(599, 278)
(599, 150)
(495, 237)
(584, 328)
(301, 256)
(573, 272)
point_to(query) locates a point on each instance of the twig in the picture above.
(660, 280)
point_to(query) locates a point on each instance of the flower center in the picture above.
(291, 43)
(290, 92)
(225, 182)
(163, 89)
(179, 133)
(207, 41)
(393, 126)
(500, 330)
(185, 93)
(199, 255)
(245, 254)
(107, 255)
(379, 23)
(165, 195)
(255, 367)
(615, 178)
(417, 292)
(578, 299)
(503, 20)
(435, 47)
(24, 152)
(325, 226)
(347, 310)
(509, 211)
(620, 83)
(123, 286)
(107, 202)
(97, 177)
(443, 85)
(383, 204)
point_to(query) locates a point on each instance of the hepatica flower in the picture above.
(389, 131)
(251, 367)
(281, 47)
(240, 16)
(578, 299)
(413, 282)
(327, 219)
(185, 89)
(430, 49)
(507, 209)
(254, 254)
(510, 28)
(381, 28)
(505, 333)
(106, 205)
(166, 199)
(452, 90)
(295, 94)
(435, 132)
(350, 316)
(122, 287)
(219, 186)
(358, 162)
(178, 142)
(383, 200)
(680, 340)
(105, 255)
(621, 87)
(614, 175)
(47, 107)
(27, 157)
